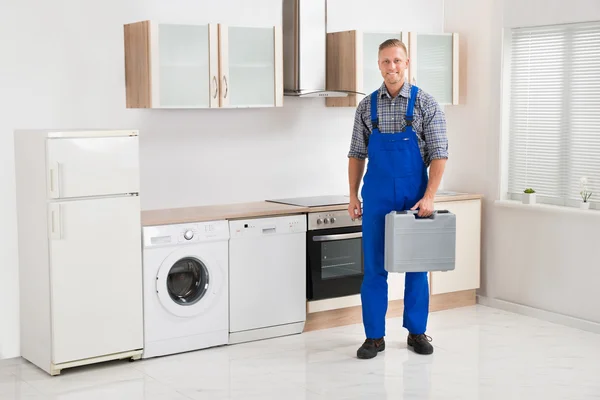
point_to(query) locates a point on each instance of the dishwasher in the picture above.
(267, 277)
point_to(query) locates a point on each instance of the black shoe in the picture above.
(370, 348)
(420, 343)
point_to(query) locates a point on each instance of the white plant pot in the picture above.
(584, 205)
(528, 198)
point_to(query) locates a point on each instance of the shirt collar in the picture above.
(404, 91)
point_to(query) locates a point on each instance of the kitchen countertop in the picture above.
(438, 199)
(217, 212)
(254, 209)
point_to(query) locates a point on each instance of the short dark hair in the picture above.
(393, 43)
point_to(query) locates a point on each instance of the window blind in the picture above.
(554, 113)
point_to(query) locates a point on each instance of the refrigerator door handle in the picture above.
(55, 180)
(55, 222)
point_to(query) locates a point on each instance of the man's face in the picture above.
(392, 64)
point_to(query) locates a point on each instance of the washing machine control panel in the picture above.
(185, 233)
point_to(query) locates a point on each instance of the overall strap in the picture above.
(411, 105)
(374, 117)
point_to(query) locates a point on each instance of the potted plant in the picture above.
(529, 196)
(585, 194)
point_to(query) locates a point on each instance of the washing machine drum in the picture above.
(187, 281)
(186, 285)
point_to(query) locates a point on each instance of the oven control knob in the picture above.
(332, 220)
(325, 221)
(319, 221)
(188, 235)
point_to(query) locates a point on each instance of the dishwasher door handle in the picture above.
(269, 229)
(341, 236)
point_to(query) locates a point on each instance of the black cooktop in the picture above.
(316, 201)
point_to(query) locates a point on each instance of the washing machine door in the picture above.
(187, 284)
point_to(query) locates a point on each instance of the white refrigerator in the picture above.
(79, 234)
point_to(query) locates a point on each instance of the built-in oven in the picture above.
(334, 255)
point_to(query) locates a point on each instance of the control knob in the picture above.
(319, 221)
(332, 220)
(188, 235)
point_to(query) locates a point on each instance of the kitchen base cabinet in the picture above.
(466, 274)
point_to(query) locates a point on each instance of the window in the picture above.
(554, 112)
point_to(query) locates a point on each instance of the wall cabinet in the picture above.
(466, 275)
(202, 66)
(352, 64)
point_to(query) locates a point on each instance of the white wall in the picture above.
(472, 126)
(62, 67)
(385, 16)
(537, 258)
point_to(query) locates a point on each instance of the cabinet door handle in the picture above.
(226, 86)
(215, 83)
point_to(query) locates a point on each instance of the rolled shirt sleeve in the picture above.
(434, 128)
(358, 147)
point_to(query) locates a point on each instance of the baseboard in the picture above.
(266, 333)
(548, 316)
(353, 315)
(55, 369)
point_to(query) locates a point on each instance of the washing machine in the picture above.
(186, 287)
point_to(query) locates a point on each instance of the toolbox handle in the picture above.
(432, 216)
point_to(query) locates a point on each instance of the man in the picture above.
(402, 130)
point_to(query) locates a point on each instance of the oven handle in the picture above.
(341, 236)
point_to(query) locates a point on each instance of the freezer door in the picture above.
(95, 277)
(93, 166)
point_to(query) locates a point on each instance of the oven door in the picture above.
(335, 262)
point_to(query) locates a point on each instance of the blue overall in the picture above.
(396, 179)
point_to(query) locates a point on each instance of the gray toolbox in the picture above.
(420, 244)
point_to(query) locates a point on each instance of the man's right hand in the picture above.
(354, 208)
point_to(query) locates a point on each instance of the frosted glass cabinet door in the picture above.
(434, 65)
(372, 78)
(185, 66)
(250, 66)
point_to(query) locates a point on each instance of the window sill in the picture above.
(546, 208)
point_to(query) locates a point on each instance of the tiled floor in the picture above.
(481, 353)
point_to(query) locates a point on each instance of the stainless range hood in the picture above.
(305, 49)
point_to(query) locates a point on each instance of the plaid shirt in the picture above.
(429, 122)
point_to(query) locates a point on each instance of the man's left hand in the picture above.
(425, 206)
